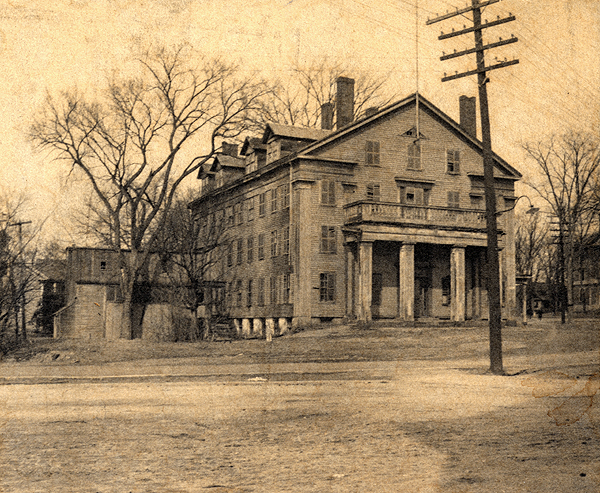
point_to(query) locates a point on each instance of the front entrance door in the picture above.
(422, 292)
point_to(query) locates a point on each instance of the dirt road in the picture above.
(431, 421)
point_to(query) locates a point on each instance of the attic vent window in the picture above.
(413, 133)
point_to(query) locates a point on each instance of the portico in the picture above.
(414, 271)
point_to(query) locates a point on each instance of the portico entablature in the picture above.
(416, 235)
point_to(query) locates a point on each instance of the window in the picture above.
(453, 161)
(261, 292)
(372, 150)
(273, 151)
(273, 290)
(414, 195)
(477, 202)
(286, 241)
(240, 251)
(414, 156)
(230, 254)
(454, 200)
(237, 213)
(262, 199)
(285, 288)
(239, 293)
(274, 202)
(261, 246)
(285, 196)
(373, 192)
(103, 265)
(249, 293)
(328, 239)
(113, 294)
(250, 250)
(250, 209)
(328, 192)
(446, 290)
(274, 243)
(327, 287)
(230, 216)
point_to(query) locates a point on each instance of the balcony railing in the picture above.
(439, 217)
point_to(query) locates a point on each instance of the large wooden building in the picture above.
(383, 217)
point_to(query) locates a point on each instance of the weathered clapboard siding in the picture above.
(341, 158)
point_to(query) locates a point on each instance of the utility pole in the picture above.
(19, 225)
(493, 262)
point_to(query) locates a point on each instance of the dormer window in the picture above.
(273, 151)
(251, 162)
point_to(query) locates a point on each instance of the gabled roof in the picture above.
(295, 133)
(402, 105)
(252, 143)
(227, 161)
(220, 161)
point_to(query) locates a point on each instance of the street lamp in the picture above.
(531, 210)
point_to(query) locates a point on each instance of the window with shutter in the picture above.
(373, 192)
(453, 161)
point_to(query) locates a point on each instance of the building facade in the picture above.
(383, 217)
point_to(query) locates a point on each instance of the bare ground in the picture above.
(437, 423)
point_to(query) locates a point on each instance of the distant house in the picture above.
(586, 275)
(93, 301)
(378, 218)
(45, 302)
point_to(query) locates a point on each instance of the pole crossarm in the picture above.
(480, 71)
(502, 42)
(467, 30)
(459, 12)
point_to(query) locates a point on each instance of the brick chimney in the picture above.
(327, 116)
(229, 149)
(468, 115)
(344, 101)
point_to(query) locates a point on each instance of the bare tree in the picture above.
(531, 245)
(190, 249)
(297, 100)
(569, 165)
(17, 278)
(132, 143)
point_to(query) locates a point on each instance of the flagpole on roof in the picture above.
(417, 69)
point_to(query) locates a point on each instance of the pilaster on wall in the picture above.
(406, 277)
(302, 266)
(350, 280)
(365, 277)
(457, 284)
(510, 268)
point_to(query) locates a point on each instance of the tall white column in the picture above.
(457, 284)
(365, 277)
(406, 282)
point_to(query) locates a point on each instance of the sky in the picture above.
(51, 45)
